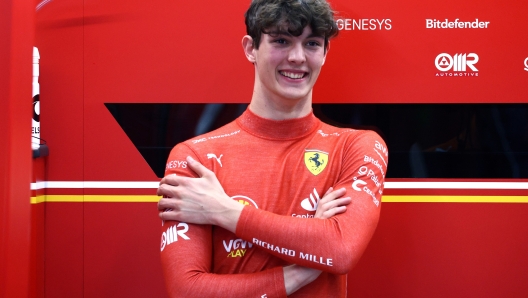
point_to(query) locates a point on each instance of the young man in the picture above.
(244, 203)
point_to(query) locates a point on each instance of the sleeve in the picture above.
(186, 256)
(333, 245)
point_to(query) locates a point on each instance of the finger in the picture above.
(164, 204)
(333, 195)
(159, 192)
(171, 186)
(166, 190)
(168, 179)
(326, 208)
(169, 215)
(197, 167)
(336, 203)
(328, 191)
(334, 211)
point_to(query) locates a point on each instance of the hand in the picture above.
(332, 203)
(199, 200)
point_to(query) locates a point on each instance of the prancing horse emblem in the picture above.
(315, 160)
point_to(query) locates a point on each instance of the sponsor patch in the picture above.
(459, 65)
(173, 233)
(315, 161)
(212, 155)
(310, 204)
(236, 248)
(456, 24)
(245, 201)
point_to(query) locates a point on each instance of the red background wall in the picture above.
(94, 244)
(16, 36)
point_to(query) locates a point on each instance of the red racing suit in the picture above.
(280, 170)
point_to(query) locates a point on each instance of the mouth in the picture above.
(293, 75)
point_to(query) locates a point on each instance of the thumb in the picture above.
(197, 167)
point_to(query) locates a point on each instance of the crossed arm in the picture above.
(202, 201)
(201, 283)
(339, 240)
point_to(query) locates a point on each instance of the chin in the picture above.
(291, 96)
(294, 94)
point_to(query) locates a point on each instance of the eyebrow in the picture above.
(315, 35)
(282, 32)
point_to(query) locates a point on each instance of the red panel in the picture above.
(37, 257)
(59, 37)
(121, 248)
(38, 232)
(16, 34)
(445, 250)
(64, 247)
(166, 51)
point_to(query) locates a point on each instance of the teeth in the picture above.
(292, 75)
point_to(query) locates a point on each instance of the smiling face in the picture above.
(286, 67)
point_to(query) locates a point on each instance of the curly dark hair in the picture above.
(275, 16)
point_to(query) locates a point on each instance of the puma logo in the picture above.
(212, 155)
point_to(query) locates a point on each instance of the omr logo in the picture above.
(172, 234)
(526, 64)
(460, 62)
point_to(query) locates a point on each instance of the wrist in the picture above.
(228, 218)
(296, 277)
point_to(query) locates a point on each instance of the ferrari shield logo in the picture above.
(315, 161)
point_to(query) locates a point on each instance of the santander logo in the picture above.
(310, 204)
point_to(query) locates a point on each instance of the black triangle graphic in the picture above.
(154, 129)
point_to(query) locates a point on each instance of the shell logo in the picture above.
(245, 201)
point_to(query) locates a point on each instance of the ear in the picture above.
(249, 49)
(326, 52)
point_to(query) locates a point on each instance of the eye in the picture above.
(314, 43)
(280, 41)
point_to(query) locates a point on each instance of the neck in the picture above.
(274, 107)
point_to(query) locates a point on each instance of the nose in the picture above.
(297, 54)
